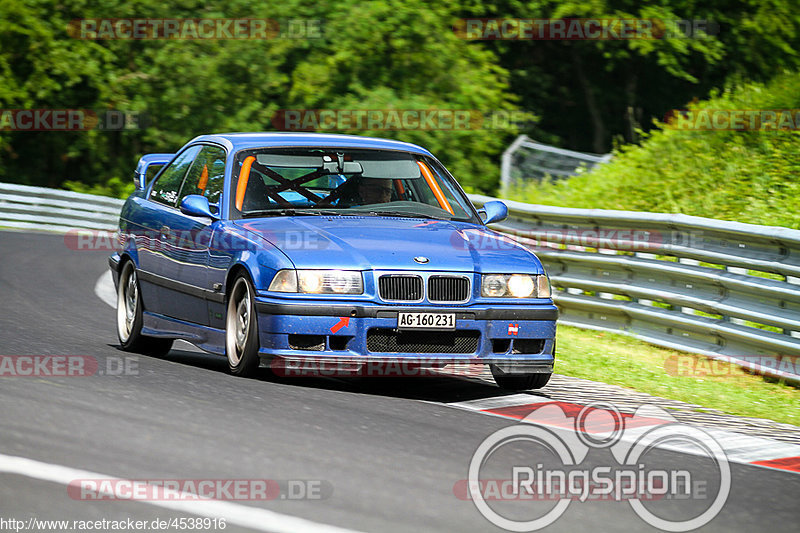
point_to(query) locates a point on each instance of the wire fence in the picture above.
(526, 160)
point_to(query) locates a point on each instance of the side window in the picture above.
(206, 175)
(152, 170)
(165, 190)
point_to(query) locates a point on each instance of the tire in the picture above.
(520, 382)
(129, 317)
(241, 329)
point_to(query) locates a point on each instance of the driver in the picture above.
(375, 190)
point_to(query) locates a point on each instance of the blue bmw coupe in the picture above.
(279, 249)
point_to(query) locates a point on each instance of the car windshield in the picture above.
(269, 182)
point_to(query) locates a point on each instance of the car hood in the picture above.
(389, 243)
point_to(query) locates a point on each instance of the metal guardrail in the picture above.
(25, 207)
(727, 290)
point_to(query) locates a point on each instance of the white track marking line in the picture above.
(742, 448)
(500, 401)
(241, 515)
(104, 289)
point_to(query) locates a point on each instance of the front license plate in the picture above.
(426, 321)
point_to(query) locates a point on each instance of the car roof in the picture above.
(239, 141)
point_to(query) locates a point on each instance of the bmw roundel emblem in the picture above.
(421, 259)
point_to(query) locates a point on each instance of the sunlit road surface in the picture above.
(388, 453)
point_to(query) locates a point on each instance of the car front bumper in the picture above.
(518, 338)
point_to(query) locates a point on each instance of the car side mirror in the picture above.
(494, 211)
(196, 205)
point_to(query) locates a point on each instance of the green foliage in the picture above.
(114, 188)
(591, 93)
(373, 54)
(749, 176)
(390, 54)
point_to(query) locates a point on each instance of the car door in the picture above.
(153, 231)
(186, 251)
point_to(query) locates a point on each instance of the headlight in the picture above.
(318, 281)
(494, 285)
(284, 281)
(543, 287)
(515, 286)
(521, 285)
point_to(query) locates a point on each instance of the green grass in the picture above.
(708, 315)
(767, 275)
(621, 360)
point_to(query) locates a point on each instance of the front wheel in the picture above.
(129, 317)
(519, 382)
(241, 330)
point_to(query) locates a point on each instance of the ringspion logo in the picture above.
(550, 466)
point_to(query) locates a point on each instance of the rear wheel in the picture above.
(241, 329)
(129, 317)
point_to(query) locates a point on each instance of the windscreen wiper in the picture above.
(290, 213)
(403, 214)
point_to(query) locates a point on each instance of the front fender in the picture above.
(243, 249)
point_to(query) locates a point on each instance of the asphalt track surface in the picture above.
(388, 451)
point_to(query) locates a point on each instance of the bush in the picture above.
(747, 176)
(114, 188)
